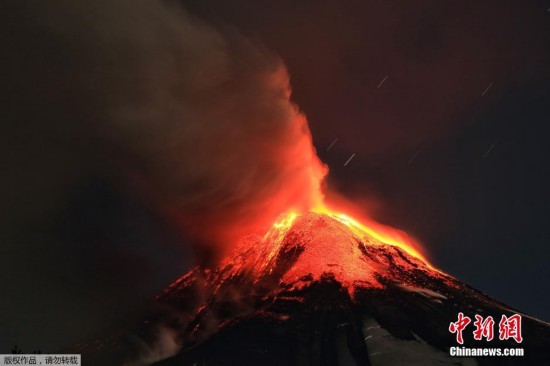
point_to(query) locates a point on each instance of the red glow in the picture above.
(321, 243)
(385, 234)
(327, 236)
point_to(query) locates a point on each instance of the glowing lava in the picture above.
(380, 232)
(301, 248)
(383, 234)
(313, 273)
(300, 251)
(308, 277)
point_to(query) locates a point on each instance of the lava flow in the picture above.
(322, 243)
(318, 285)
(298, 251)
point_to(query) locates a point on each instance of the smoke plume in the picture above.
(195, 121)
(202, 119)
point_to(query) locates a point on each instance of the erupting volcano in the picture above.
(319, 288)
(300, 249)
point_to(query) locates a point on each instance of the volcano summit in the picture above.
(319, 289)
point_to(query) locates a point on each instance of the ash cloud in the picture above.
(193, 124)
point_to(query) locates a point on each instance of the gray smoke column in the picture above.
(200, 120)
(195, 122)
(204, 117)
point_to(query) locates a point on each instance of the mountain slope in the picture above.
(317, 290)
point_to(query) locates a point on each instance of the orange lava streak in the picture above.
(276, 234)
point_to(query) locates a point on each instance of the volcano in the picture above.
(320, 289)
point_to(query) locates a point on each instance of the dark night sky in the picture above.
(481, 217)
(466, 174)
